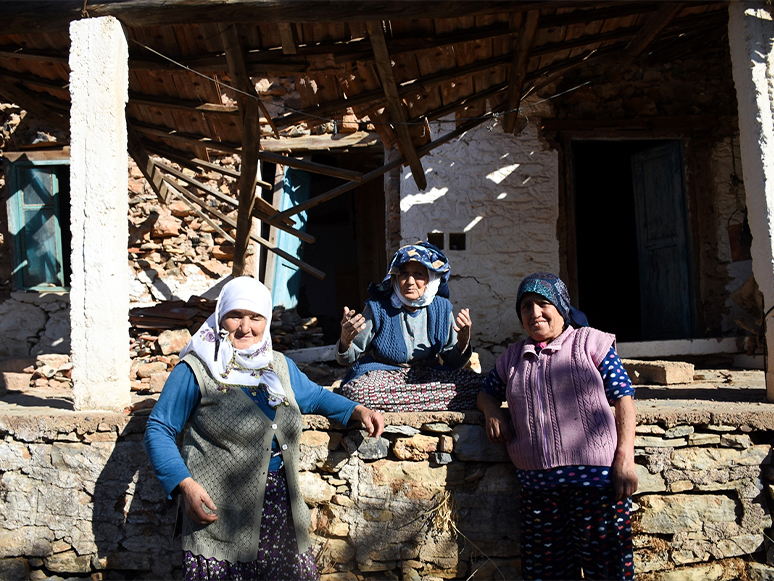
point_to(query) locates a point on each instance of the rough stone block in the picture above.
(173, 341)
(366, 447)
(739, 441)
(678, 432)
(648, 482)
(157, 381)
(13, 569)
(683, 512)
(656, 442)
(658, 372)
(402, 430)
(417, 447)
(441, 458)
(314, 489)
(708, 458)
(14, 381)
(760, 572)
(699, 439)
(472, 445)
(68, 562)
(437, 427)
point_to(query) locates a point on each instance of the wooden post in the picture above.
(249, 111)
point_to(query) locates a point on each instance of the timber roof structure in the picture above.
(388, 67)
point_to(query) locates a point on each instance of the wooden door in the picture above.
(287, 276)
(666, 287)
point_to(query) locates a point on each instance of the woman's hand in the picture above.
(496, 419)
(462, 326)
(194, 496)
(352, 324)
(623, 475)
(373, 421)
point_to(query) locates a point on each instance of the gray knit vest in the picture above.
(227, 449)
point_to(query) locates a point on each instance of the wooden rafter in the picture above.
(344, 188)
(148, 166)
(226, 220)
(247, 100)
(652, 28)
(518, 70)
(319, 168)
(394, 102)
(286, 36)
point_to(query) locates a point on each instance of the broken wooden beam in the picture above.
(394, 102)
(518, 69)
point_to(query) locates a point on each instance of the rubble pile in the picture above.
(51, 370)
(291, 331)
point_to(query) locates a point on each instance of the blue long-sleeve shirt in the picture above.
(181, 396)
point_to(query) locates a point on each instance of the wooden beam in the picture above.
(588, 16)
(24, 17)
(187, 138)
(182, 104)
(318, 168)
(271, 247)
(27, 79)
(148, 166)
(194, 163)
(248, 103)
(653, 27)
(465, 101)
(678, 122)
(394, 102)
(24, 53)
(286, 36)
(30, 103)
(518, 70)
(422, 150)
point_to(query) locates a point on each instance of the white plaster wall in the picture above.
(502, 191)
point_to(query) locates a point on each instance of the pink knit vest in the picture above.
(559, 411)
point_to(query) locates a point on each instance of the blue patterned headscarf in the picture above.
(422, 252)
(551, 287)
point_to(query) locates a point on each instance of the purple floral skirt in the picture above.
(415, 389)
(278, 555)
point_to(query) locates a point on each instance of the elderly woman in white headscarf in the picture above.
(239, 405)
(407, 349)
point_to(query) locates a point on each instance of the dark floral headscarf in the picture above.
(428, 255)
(553, 288)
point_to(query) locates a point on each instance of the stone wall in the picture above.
(432, 499)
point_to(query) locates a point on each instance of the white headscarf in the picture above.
(251, 367)
(433, 282)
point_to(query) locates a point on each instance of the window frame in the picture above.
(15, 163)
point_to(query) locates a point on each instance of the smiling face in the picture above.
(412, 280)
(540, 318)
(245, 328)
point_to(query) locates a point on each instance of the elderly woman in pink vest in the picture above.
(574, 457)
(238, 405)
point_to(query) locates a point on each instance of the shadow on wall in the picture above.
(133, 522)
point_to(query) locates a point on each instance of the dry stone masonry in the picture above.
(430, 499)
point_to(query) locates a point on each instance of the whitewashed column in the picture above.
(750, 35)
(99, 293)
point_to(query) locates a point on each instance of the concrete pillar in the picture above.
(750, 36)
(99, 293)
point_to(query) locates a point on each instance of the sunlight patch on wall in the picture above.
(422, 198)
(473, 222)
(499, 175)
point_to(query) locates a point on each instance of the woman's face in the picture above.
(540, 318)
(245, 328)
(412, 280)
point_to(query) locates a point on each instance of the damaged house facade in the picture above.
(623, 146)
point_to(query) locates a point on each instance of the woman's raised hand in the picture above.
(352, 324)
(194, 496)
(462, 326)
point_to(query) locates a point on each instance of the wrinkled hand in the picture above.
(352, 324)
(373, 421)
(462, 325)
(498, 427)
(623, 475)
(193, 497)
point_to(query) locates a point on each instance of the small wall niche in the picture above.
(436, 239)
(457, 241)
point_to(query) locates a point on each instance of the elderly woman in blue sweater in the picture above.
(238, 405)
(407, 349)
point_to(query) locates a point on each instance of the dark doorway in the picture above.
(632, 243)
(349, 247)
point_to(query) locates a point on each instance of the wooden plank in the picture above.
(24, 53)
(518, 69)
(248, 102)
(376, 34)
(318, 168)
(147, 165)
(270, 246)
(182, 104)
(286, 34)
(586, 16)
(193, 140)
(653, 27)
